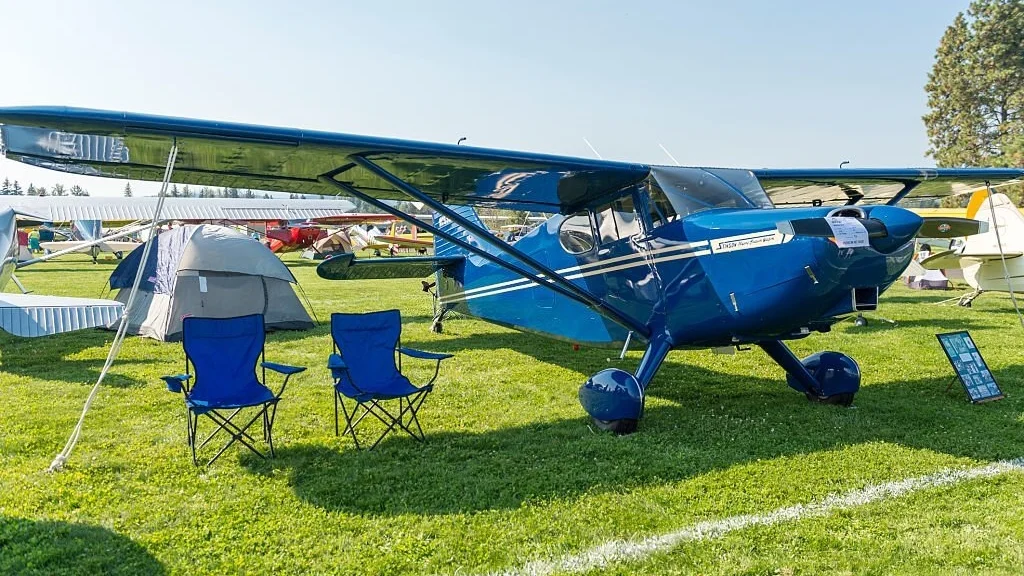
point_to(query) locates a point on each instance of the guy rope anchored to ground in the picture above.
(115, 346)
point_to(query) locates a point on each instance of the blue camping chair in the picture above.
(223, 352)
(364, 370)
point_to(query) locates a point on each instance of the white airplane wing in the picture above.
(36, 315)
(116, 209)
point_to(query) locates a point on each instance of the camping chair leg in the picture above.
(350, 427)
(268, 427)
(193, 422)
(238, 434)
(335, 412)
(219, 428)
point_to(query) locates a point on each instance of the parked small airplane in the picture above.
(88, 214)
(982, 256)
(673, 257)
(292, 236)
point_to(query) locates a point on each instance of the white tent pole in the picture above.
(115, 346)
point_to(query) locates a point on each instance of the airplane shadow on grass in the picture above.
(48, 357)
(935, 325)
(47, 547)
(697, 421)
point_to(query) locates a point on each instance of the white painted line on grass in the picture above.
(632, 550)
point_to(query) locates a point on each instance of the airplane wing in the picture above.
(136, 146)
(839, 187)
(35, 315)
(116, 144)
(116, 209)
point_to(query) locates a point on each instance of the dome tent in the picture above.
(207, 271)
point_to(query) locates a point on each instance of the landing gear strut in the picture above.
(825, 377)
(614, 398)
(967, 299)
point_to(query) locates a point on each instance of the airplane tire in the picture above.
(618, 427)
(437, 327)
(845, 399)
(119, 255)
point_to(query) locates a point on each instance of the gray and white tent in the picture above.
(207, 271)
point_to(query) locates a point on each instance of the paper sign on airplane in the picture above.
(848, 232)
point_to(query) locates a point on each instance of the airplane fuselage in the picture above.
(714, 278)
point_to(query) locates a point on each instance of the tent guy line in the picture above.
(636, 550)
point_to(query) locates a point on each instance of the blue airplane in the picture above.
(670, 257)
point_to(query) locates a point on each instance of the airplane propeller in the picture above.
(948, 227)
(933, 227)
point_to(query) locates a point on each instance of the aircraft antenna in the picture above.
(461, 140)
(1002, 255)
(669, 154)
(844, 163)
(592, 149)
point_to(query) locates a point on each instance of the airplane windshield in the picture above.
(691, 190)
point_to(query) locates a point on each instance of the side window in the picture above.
(576, 235)
(661, 209)
(617, 220)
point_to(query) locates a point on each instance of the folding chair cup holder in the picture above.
(366, 368)
(221, 356)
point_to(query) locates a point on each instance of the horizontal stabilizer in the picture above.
(991, 255)
(348, 267)
(945, 260)
(950, 259)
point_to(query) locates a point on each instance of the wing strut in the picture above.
(908, 185)
(573, 292)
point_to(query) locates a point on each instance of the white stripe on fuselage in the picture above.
(715, 246)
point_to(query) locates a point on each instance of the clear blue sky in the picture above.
(728, 83)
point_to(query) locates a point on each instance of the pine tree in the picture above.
(976, 88)
(77, 190)
(5, 188)
(127, 189)
(58, 190)
(249, 194)
(32, 190)
(16, 189)
(185, 192)
(42, 191)
(175, 193)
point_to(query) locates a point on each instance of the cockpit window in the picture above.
(691, 190)
(617, 220)
(746, 183)
(660, 208)
(576, 234)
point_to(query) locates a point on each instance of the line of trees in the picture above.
(9, 188)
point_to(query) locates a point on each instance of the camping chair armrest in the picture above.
(177, 383)
(283, 368)
(413, 353)
(336, 365)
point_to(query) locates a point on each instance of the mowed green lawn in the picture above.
(512, 473)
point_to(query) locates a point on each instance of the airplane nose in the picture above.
(901, 227)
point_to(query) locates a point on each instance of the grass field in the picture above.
(512, 473)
